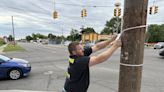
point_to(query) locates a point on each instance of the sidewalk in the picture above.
(1, 48)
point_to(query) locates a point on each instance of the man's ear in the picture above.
(74, 52)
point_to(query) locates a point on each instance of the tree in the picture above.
(51, 36)
(10, 38)
(162, 33)
(34, 36)
(28, 38)
(40, 36)
(114, 25)
(155, 33)
(2, 42)
(74, 35)
(88, 30)
(107, 31)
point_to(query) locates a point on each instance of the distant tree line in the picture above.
(75, 35)
(155, 32)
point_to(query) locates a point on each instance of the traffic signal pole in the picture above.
(131, 61)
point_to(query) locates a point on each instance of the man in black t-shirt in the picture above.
(78, 78)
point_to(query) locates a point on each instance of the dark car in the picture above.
(13, 68)
(161, 53)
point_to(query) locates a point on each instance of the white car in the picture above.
(159, 45)
(66, 43)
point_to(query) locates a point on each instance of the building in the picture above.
(93, 37)
(5, 39)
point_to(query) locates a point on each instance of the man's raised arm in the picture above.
(103, 44)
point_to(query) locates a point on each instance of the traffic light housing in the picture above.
(85, 12)
(119, 11)
(115, 12)
(82, 14)
(156, 9)
(55, 14)
(150, 10)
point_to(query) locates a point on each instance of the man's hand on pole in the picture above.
(113, 37)
(117, 43)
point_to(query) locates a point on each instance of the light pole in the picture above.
(12, 19)
(62, 36)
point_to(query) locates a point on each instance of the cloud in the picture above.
(35, 16)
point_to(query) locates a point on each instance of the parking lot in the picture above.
(49, 63)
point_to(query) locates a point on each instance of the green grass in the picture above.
(2, 42)
(11, 47)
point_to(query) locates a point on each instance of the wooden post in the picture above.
(135, 14)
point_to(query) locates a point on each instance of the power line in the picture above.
(94, 6)
(80, 5)
(156, 1)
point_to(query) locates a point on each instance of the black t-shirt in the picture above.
(78, 73)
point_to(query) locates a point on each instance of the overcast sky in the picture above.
(35, 16)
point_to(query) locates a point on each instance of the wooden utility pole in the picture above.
(135, 14)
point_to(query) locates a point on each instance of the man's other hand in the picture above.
(117, 43)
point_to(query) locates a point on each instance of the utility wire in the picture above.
(80, 5)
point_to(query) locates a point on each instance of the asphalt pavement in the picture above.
(49, 64)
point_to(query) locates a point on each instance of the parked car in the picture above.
(159, 45)
(161, 53)
(66, 43)
(89, 44)
(13, 68)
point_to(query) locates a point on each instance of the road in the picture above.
(49, 63)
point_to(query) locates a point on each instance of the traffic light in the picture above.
(82, 13)
(150, 10)
(85, 12)
(55, 14)
(115, 12)
(119, 11)
(156, 9)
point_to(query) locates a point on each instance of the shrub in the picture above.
(2, 42)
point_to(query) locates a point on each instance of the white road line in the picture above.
(104, 69)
